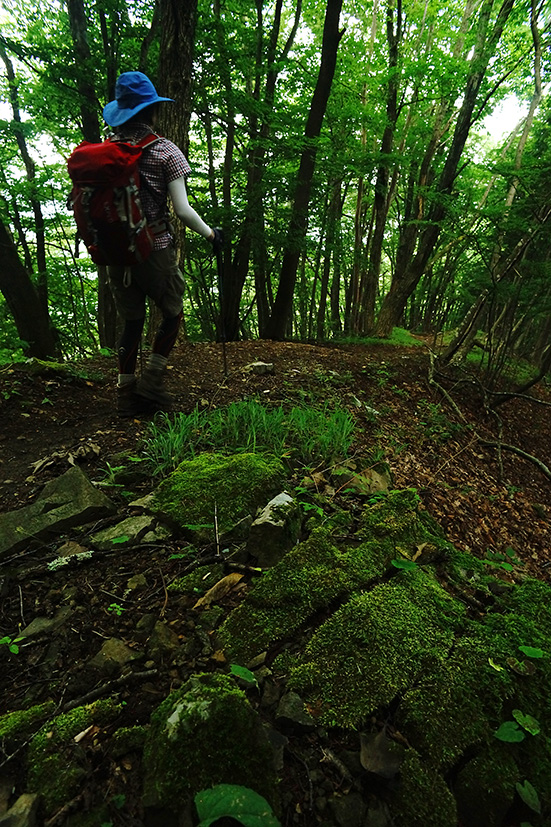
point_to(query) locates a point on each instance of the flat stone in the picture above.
(348, 810)
(292, 714)
(260, 368)
(275, 531)
(46, 625)
(137, 582)
(113, 655)
(7, 785)
(129, 532)
(163, 642)
(366, 482)
(69, 548)
(23, 813)
(68, 501)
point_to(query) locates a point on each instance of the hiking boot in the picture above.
(128, 403)
(151, 386)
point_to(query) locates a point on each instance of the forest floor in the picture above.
(484, 500)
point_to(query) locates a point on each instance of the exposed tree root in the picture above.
(485, 443)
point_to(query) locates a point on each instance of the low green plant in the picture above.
(529, 795)
(11, 644)
(333, 378)
(305, 502)
(12, 390)
(399, 337)
(305, 434)
(243, 674)
(234, 802)
(9, 356)
(383, 374)
(116, 609)
(110, 476)
(532, 652)
(513, 732)
(405, 565)
(436, 424)
(506, 560)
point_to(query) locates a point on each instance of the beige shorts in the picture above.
(158, 277)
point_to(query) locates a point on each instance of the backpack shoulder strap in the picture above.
(147, 140)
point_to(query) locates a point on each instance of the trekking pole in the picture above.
(217, 245)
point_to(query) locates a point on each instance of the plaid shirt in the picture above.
(161, 163)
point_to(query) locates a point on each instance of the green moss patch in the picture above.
(373, 648)
(396, 514)
(310, 577)
(423, 799)
(466, 692)
(230, 486)
(203, 734)
(17, 726)
(198, 581)
(127, 739)
(57, 766)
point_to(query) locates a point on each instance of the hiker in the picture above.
(163, 170)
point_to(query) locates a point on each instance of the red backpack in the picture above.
(106, 202)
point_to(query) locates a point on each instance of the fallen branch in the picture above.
(485, 443)
(503, 446)
(108, 687)
(543, 371)
(60, 816)
(504, 397)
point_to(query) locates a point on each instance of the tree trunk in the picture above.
(334, 210)
(459, 347)
(251, 240)
(177, 22)
(31, 319)
(42, 276)
(296, 233)
(382, 200)
(403, 283)
(91, 131)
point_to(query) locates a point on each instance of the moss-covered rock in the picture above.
(56, 765)
(396, 514)
(438, 649)
(127, 739)
(466, 693)
(232, 486)
(485, 787)
(199, 581)
(311, 576)
(423, 799)
(17, 726)
(203, 734)
(374, 648)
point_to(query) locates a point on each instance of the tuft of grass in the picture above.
(303, 434)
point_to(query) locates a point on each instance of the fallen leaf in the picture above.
(219, 590)
(419, 551)
(521, 667)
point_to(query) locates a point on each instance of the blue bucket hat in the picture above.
(133, 92)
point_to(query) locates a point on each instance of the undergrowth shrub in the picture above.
(304, 435)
